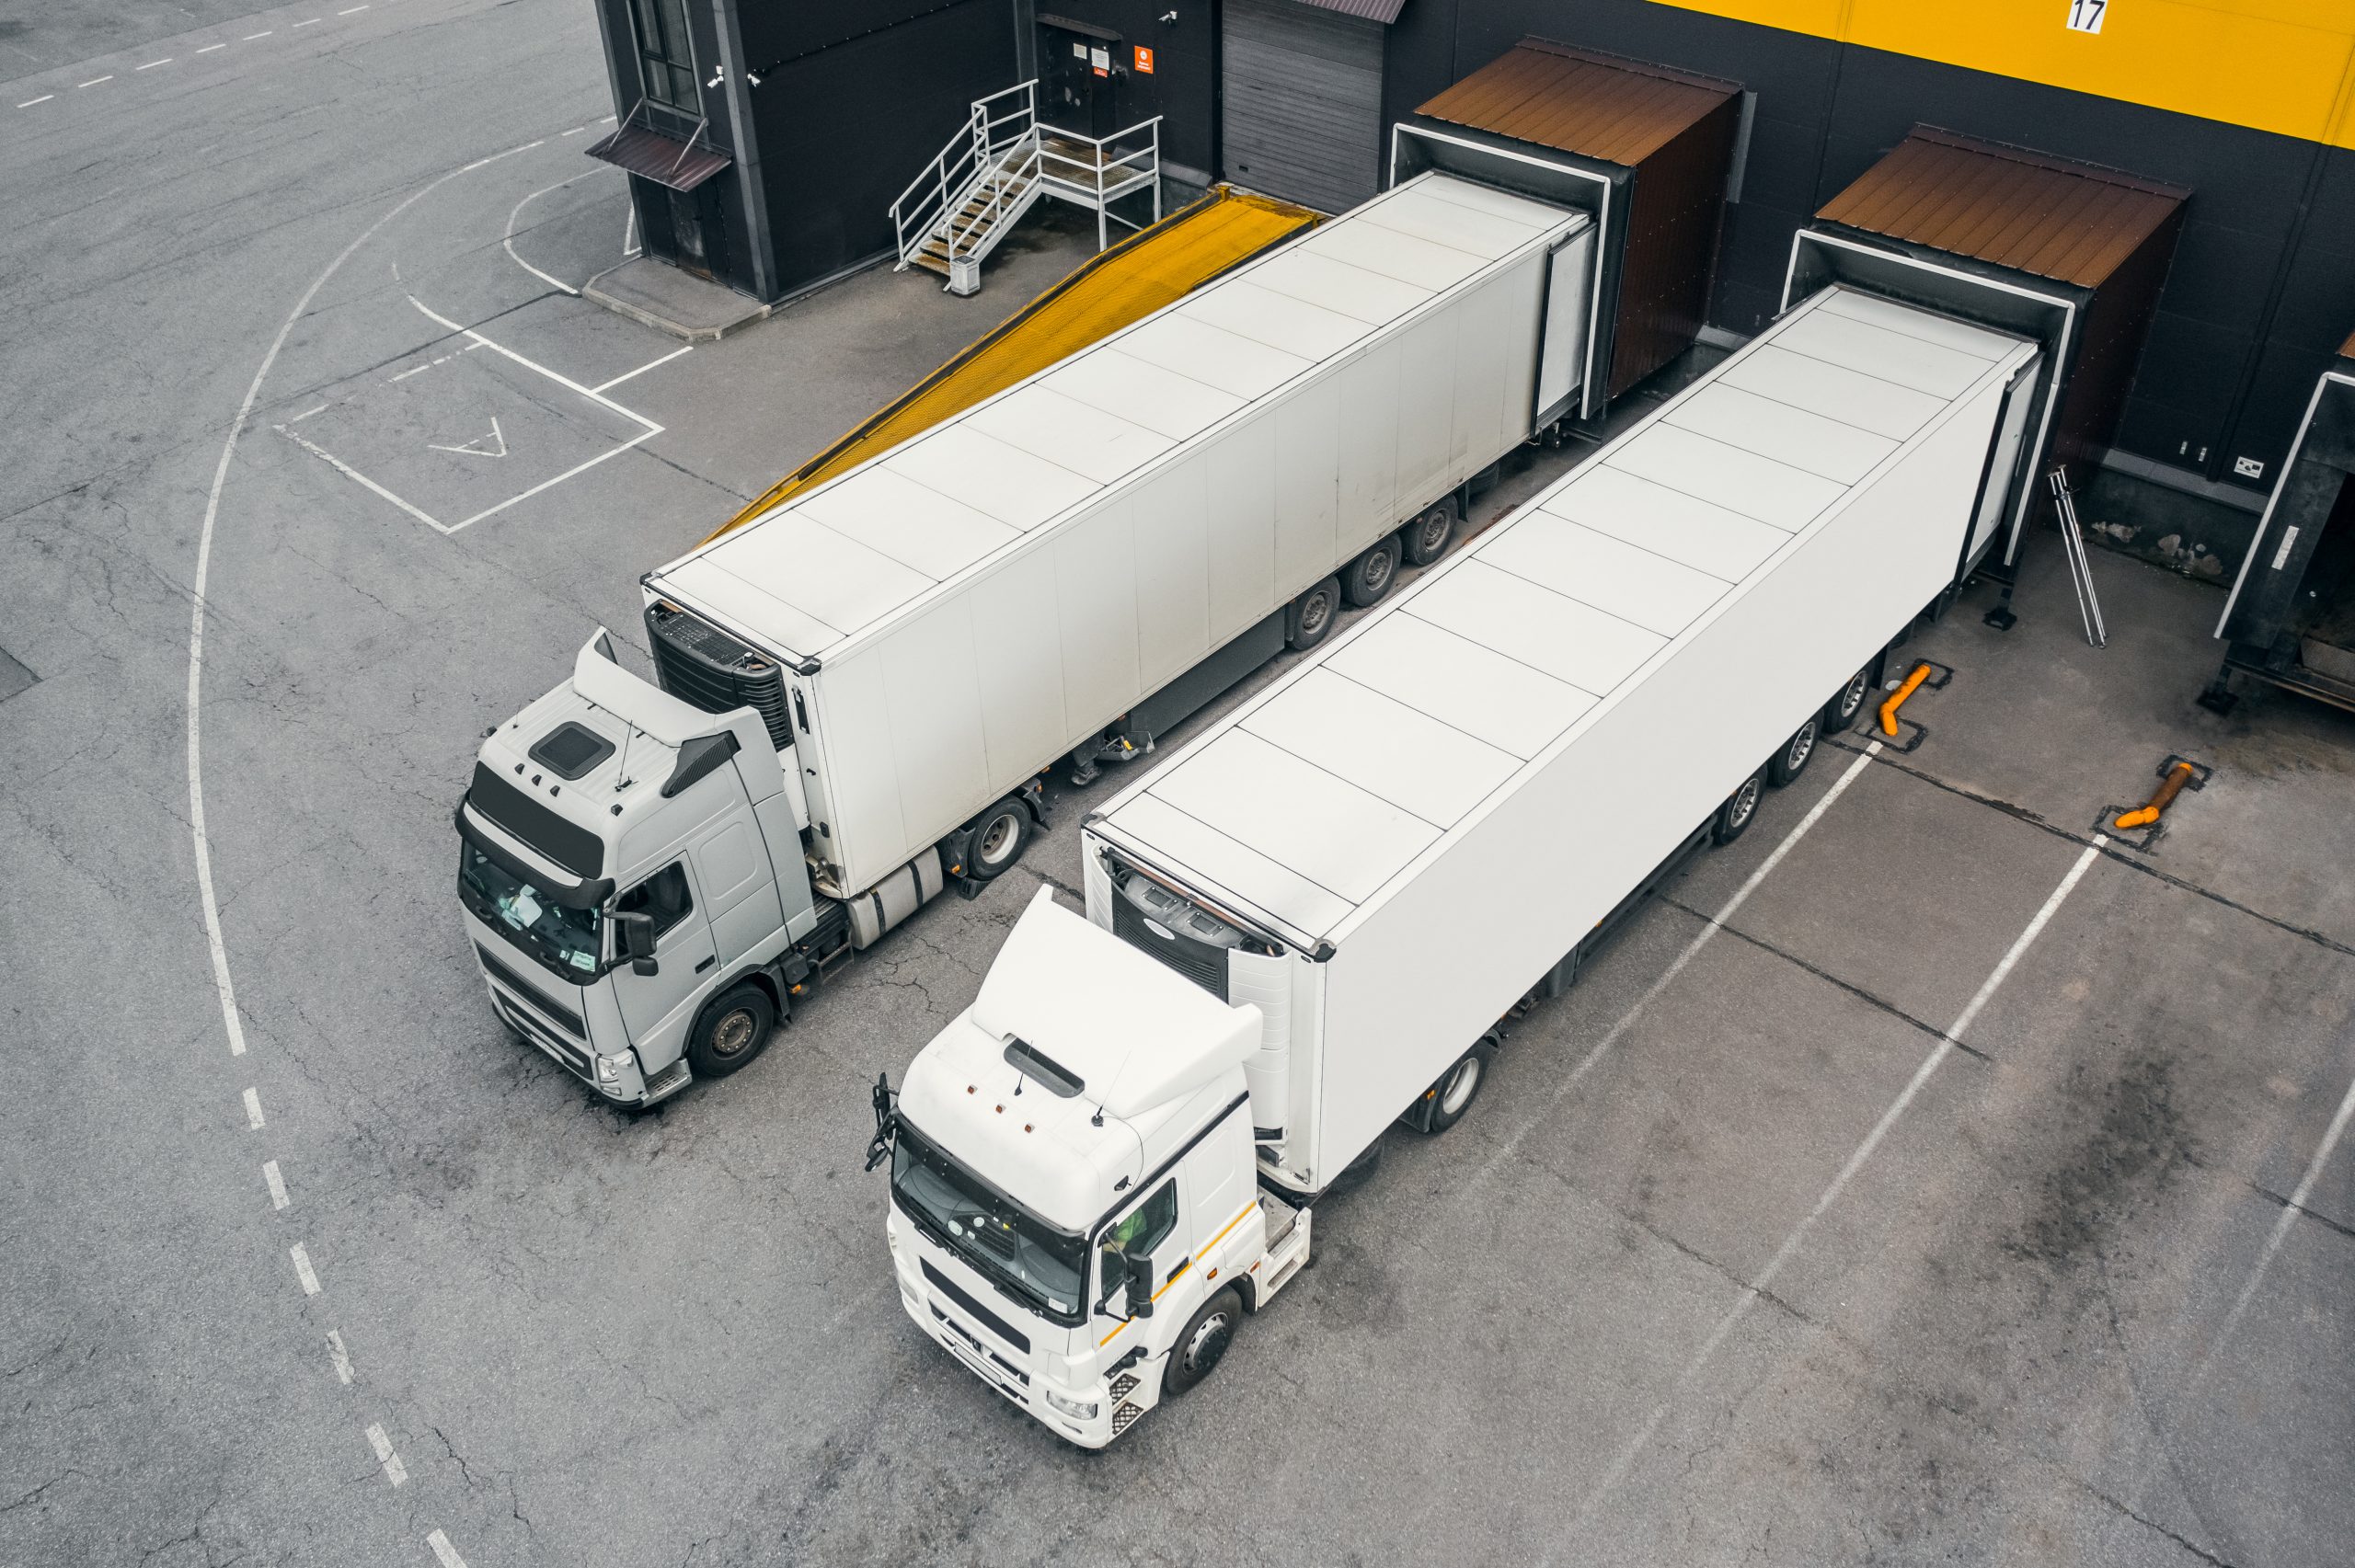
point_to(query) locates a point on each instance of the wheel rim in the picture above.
(1208, 1343)
(1462, 1085)
(1852, 697)
(1802, 747)
(998, 838)
(733, 1032)
(1433, 537)
(1313, 612)
(1745, 801)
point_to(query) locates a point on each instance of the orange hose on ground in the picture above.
(1897, 698)
(2142, 816)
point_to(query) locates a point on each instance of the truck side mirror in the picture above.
(633, 937)
(1140, 1285)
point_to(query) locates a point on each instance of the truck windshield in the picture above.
(561, 940)
(1039, 1264)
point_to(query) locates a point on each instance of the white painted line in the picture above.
(1715, 924)
(203, 840)
(95, 81)
(307, 413)
(607, 120)
(574, 132)
(153, 63)
(1856, 1162)
(306, 23)
(264, 33)
(395, 1471)
(46, 96)
(2281, 1232)
(340, 1357)
(648, 366)
(629, 232)
(211, 47)
(277, 1184)
(253, 1109)
(303, 1270)
(561, 380)
(517, 211)
(349, 472)
(444, 1552)
(471, 449)
(353, 12)
(546, 484)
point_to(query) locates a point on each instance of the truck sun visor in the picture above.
(573, 847)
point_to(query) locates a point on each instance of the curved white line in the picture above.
(518, 211)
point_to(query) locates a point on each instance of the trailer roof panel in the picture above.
(1591, 649)
(1148, 394)
(1884, 408)
(1460, 228)
(1875, 350)
(1226, 862)
(1784, 431)
(1611, 574)
(1297, 326)
(916, 526)
(1390, 748)
(1212, 355)
(1501, 700)
(1395, 255)
(1338, 285)
(837, 579)
(1019, 489)
(730, 597)
(1928, 326)
(1339, 837)
(1773, 492)
(1684, 528)
(1069, 433)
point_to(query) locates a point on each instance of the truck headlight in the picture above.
(1077, 1409)
(609, 1068)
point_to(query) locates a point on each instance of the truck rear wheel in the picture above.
(1367, 577)
(731, 1032)
(997, 839)
(1793, 759)
(1311, 615)
(1840, 713)
(1457, 1088)
(1739, 810)
(1428, 535)
(1203, 1343)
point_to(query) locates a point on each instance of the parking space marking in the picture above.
(1831, 1195)
(276, 1183)
(444, 1552)
(1668, 975)
(650, 364)
(253, 1109)
(349, 472)
(307, 412)
(395, 1471)
(303, 1270)
(517, 211)
(342, 1357)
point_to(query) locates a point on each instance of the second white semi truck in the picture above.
(1310, 922)
(861, 689)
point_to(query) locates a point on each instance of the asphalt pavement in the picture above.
(1923, 1178)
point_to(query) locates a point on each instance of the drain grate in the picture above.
(13, 677)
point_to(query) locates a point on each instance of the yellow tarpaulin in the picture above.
(1108, 291)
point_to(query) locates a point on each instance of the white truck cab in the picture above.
(1099, 1230)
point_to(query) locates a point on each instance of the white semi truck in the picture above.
(861, 690)
(1312, 920)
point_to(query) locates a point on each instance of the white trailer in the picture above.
(1067, 569)
(1379, 856)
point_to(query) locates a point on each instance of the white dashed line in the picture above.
(303, 1270)
(309, 22)
(278, 1198)
(394, 1471)
(253, 1109)
(211, 47)
(342, 1357)
(353, 12)
(574, 132)
(264, 33)
(307, 413)
(95, 81)
(153, 63)
(444, 1552)
(46, 96)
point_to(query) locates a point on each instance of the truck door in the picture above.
(1151, 1227)
(658, 1008)
(740, 891)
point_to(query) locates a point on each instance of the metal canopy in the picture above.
(680, 163)
(1382, 11)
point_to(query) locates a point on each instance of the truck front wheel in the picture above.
(1203, 1343)
(731, 1032)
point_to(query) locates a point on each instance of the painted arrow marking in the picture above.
(475, 448)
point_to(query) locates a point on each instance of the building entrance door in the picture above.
(1079, 78)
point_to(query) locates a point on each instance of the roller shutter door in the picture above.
(1302, 112)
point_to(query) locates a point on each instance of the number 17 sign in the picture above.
(2084, 16)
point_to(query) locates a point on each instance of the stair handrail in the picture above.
(1103, 162)
(1013, 182)
(945, 182)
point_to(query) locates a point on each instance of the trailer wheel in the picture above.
(1457, 1088)
(1840, 713)
(1311, 615)
(997, 839)
(1203, 1343)
(1367, 578)
(731, 1032)
(1739, 809)
(1428, 535)
(1797, 752)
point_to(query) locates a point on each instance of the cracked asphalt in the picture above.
(1647, 1305)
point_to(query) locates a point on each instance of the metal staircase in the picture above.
(996, 168)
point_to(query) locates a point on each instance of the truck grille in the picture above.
(1148, 916)
(698, 663)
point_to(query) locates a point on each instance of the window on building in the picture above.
(666, 57)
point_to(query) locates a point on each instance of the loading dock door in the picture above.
(1303, 103)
